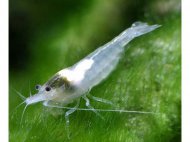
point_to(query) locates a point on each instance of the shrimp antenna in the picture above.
(107, 110)
(30, 89)
(16, 108)
(116, 110)
(119, 110)
(19, 105)
(18, 93)
(23, 114)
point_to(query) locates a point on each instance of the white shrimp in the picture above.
(75, 82)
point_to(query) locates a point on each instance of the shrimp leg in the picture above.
(101, 100)
(67, 117)
(90, 107)
(70, 111)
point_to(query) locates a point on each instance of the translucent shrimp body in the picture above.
(102, 61)
(74, 82)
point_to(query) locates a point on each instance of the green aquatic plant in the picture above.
(148, 77)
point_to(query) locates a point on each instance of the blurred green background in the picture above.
(47, 36)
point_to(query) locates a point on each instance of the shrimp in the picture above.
(75, 82)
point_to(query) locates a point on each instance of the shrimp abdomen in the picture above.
(106, 57)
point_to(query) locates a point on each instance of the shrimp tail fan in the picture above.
(137, 29)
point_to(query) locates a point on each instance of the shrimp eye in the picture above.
(38, 87)
(48, 88)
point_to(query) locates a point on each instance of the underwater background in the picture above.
(46, 36)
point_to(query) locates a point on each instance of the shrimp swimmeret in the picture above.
(74, 82)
